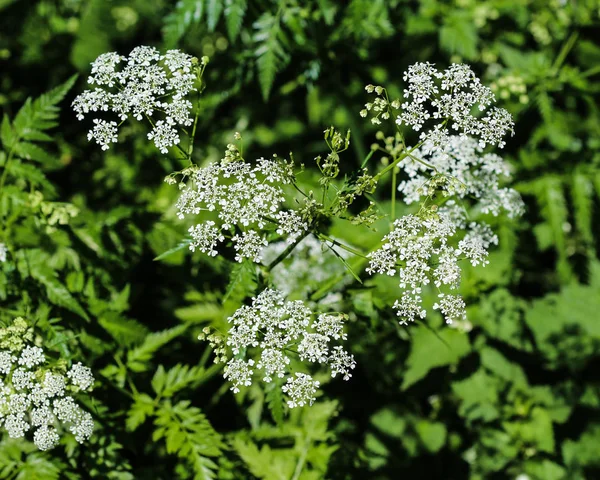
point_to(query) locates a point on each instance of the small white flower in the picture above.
(81, 376)
(301, 389)
(3, 252)
(31, 356)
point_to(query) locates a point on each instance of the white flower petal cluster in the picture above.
(263, 337)
(453, 97)
(244, 198)
(141, 85)
(461, 169)
(3, 252)
(35, 397)
(420, 251)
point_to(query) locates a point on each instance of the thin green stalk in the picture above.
(393, 211)
(286, 252)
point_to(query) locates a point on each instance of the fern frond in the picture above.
(168, 383)
(271, 55)
(235, 10)
(186, 13)
(188, 434)
(139, 357)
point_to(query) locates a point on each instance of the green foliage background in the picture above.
(515, 393)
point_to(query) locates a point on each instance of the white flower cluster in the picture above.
(450, 97)
(461, 169)
(34, 396)
(140, 85)
(262, 337)
(420, 251)
(243, 199)
(3, 252)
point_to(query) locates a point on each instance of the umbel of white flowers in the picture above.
(241, 198)
(34, 396)
(263, 337)
(144, 84)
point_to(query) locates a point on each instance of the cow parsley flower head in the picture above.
(267, 339)
(35, 397)
(145, 84)
(461, 170)
(453, 98)
(238, 200)
(427, 249)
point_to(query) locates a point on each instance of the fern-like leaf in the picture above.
(168, 383)
(188, 434)
(235, 10)
(185, 14)
(139, 357)
(271, 55)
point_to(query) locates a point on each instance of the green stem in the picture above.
(286, 252)
(327, 238)
(393, 209)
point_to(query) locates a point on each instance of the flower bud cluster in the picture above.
(421, 251)
(265, 336)
(450, 97)
(140, 85)
(461, 169)
(240, 199)
(36, 396)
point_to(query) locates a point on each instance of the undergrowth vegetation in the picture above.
(299, 240)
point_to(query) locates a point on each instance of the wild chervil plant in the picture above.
(237, 208)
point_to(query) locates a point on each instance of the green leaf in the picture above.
(57, 293)
(235, 10)
(40, 114)
(139, 357)
(30, 151)
(433, 349)
(183, 245)
(6, 133)
(458, 35)
(142, 408)
(189, 435)
(214, 9)
(270, 53)
(168, 383)
(479, 396)
(125, 331)
(432, 434)
(275, 402)
(186, 13)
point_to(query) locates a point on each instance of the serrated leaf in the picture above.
(125, 331)
(41, 113)
(181, 246)
(270, 53)
(6, 133)
(57, 293)
(214, 9)
(235, 10)
(142, 408)
(30, 151)
(189, 435)
(168, 383)
(275, 402)
(139, 357)
(185, 14)
(458, 35)
(433, 349)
